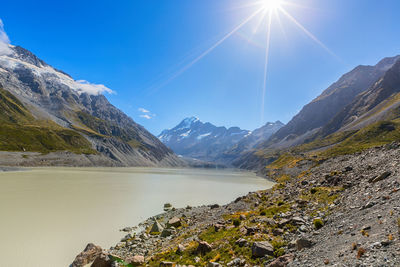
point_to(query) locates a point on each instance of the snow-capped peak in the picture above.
(187, 123)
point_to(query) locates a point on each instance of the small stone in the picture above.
(180, 249)
(241, 242)
(370, 204)
(262, 249)
(136, 260)
(366, 227)
(277, 231)
(213, 264)
(297, 221)
(282, 261)
(167, 232)
(235, 262)
(156, 228)
(218, 227)
(214, 206)
(167, 207)
(380, 177)
(167, 264)
(89, 254)
(303, 243)
(102, 261)
(347, 169)
(303, 228)
(203, 247)
(175, 222)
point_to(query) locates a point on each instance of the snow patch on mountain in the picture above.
(12, 62)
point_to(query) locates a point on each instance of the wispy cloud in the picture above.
(143, 110)
(4, 41)
(146, 114)
(91, 88)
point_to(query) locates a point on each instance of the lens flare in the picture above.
(269, 5)
(265, 11)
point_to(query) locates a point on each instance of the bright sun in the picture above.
(271, 4)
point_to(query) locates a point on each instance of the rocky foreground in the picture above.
(343, 211)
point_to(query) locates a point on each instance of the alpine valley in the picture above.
(335, 202)
(330, 194)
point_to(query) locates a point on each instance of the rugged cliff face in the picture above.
(325, 107)
(49, 96)
(361, 110)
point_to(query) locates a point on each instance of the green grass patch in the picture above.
(275, 209)
(322, 195)
(14, 137)
(285, 160)
(377, 134)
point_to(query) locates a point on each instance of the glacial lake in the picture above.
(48, 215)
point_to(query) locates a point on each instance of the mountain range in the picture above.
(195, 139)
(48, 118)
(358, 111)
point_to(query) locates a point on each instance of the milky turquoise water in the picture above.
(48, 215)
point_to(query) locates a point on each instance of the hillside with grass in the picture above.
(45, 110)
(20, 131)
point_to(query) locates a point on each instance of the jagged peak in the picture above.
(387, 62)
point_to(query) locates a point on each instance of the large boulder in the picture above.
(262, 249)
(156, 228)
(88, 255)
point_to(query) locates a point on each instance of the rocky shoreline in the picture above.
(11, 169)
(344, 211)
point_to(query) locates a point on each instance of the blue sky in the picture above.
(135, 47)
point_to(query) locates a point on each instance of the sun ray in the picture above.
(259, 23)
(308, 33)
(278, 18)
(264, 89)
(205, 53)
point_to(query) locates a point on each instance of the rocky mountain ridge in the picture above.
(205, 141)
(79, 106)
(332, 101)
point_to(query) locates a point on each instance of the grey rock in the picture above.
(303, 243)
(262, 249)
(156, 228)
(241, 242)
(203, 247)
(282, 261)
(167, 264)
(175, 222)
